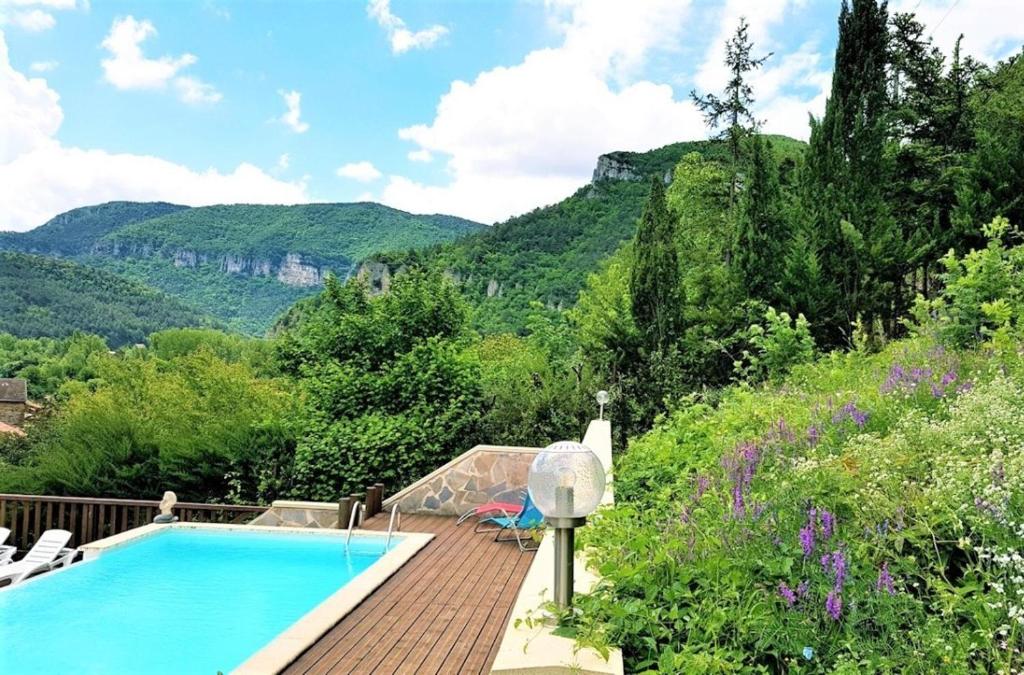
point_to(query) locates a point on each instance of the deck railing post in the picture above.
(344, 511)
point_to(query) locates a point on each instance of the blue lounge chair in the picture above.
(528, 518)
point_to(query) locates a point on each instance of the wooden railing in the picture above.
(89, 519)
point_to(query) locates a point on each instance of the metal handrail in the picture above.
(391, 525)
(352, 522)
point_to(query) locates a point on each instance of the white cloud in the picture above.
(283, 162)
(364, 172)
(128, 68)
(34, 20)
(43, 66)
(420, 156)
(27, 15)
(365, 197)
(402, 39)
(529, 134)
(291, 117)
(194, 91)
(40, 177)
(992, 29)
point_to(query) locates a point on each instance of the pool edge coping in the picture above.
(293, 641)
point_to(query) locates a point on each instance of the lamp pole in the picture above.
(565, 543)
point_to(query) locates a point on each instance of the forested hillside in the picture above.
(545, 255)
(76, 231)
(55, 298)
(243, 264)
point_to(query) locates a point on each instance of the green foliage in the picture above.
(982, 292)
(48, 363)
(43, 297)
(390, 394)
(77, 231)
(654, 284)
(144, 424)
(775, 347)
(144, 242)
(912, 452)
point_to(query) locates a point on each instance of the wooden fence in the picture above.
(88, 519)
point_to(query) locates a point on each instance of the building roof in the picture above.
(8, 429)
(13, 390)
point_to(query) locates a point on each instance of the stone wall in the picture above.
(299, 514)
(13, 413)
(484, 474)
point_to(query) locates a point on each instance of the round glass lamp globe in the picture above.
(566, 480)
(602, 397)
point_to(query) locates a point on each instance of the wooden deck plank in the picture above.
(443, 612)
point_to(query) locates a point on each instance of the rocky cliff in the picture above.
(611, 168)
(293, 269)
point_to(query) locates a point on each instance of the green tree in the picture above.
(857, 240)
(734, 107)
(762, 229)
(654, 280)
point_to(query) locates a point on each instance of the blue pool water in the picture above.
(180, 601)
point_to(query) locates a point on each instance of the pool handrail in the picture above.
(352, 522)
(391, 525)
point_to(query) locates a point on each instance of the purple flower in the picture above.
(807, 533)
(839, 569)
(802, 588)
(813, 435)
(834, 605)
(937, 391)
(826, 562)
(966, 386)
(948, 379)
(738, 508)
(787, 594)
(850, 411)
(828, 523)
(703, 482)
(885, 580)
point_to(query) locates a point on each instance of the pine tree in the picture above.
(762, 230)
(734, 106)
(654, 280)
(858, 241)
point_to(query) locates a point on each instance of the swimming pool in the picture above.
(188, 599)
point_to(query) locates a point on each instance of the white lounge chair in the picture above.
(47, 553)
(6, 552)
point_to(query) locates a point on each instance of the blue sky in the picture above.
(484, 109)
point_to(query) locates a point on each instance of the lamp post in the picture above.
(602, 399)
(566, 482)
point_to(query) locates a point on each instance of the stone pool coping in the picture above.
(288, 645)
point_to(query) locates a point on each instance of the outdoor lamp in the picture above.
(566, 482)
(602, 399)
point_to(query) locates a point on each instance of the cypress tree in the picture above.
(654, 280)
(762, 229)
(858, 241)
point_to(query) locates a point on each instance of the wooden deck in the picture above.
(443, 612)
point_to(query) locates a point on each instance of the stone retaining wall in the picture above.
(484, 474)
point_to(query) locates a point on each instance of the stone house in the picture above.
(13, 401)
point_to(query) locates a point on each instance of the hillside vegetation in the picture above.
(545, 255)
(230, 261)
(55, 298)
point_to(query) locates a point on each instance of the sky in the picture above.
(477, 108)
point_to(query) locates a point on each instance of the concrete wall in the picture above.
(536, 650)
(484, 474)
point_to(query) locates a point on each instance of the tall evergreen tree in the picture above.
(732, 111)
(858, 241)
(654, 280)
(762, 231)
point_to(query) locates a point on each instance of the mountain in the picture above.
(76, 231)
(242, 263)
(42, 296)
(546, 255)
